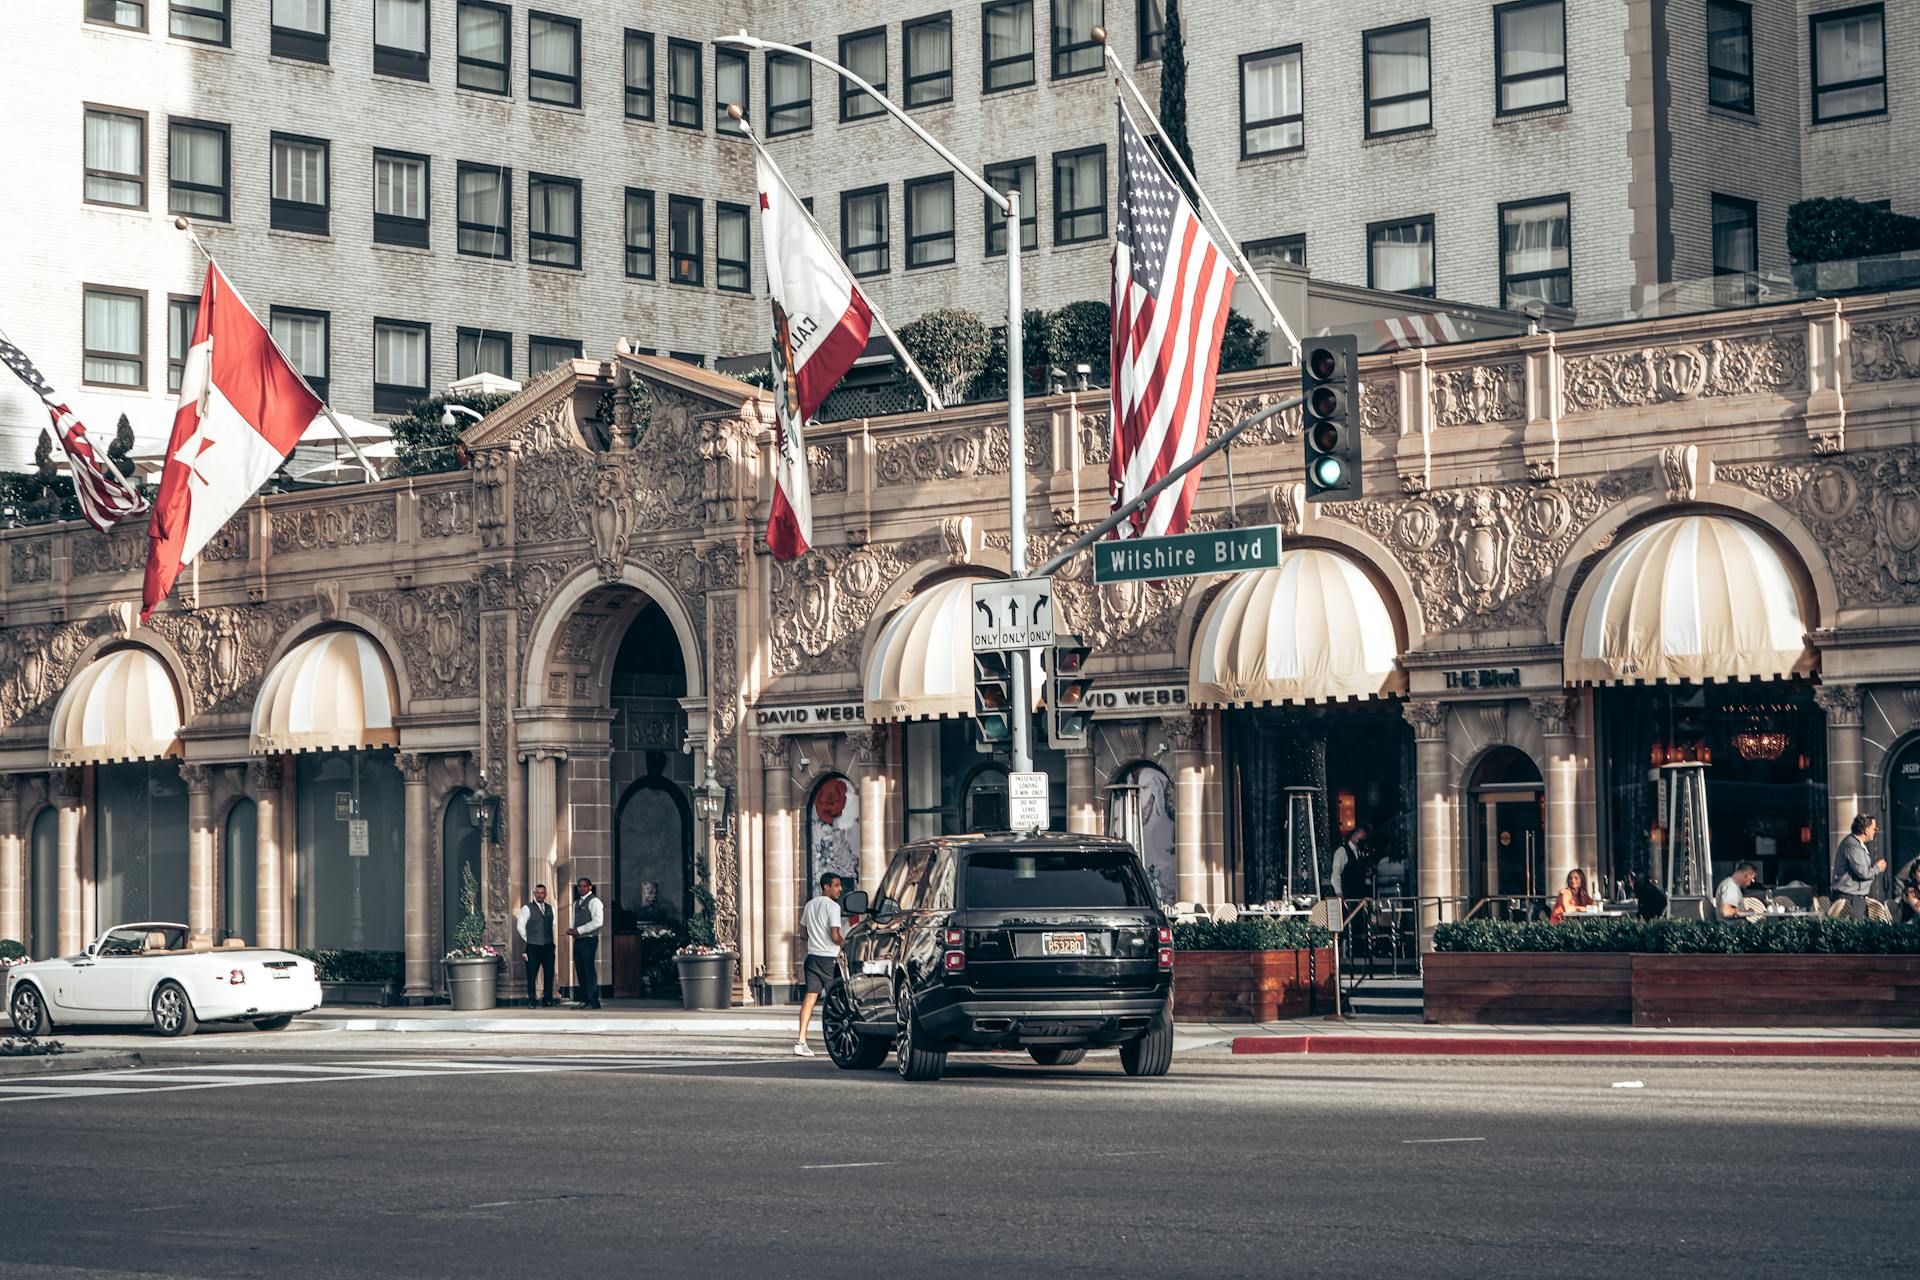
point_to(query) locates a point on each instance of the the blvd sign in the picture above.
(1187, 555)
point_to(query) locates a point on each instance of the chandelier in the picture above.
(1760, 744)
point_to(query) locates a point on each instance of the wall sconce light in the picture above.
(1083, 377)
(483, 808)
(710, 800)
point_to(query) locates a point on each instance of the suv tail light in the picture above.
(956, 962)
(956, 937)
(1166, 947)
(238, 977)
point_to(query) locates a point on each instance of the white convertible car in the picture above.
(139, 974)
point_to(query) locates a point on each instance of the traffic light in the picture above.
(1069, 714)
(1330, 418)
(992, 699)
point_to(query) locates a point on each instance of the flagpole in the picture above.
(739, 117)
(1193, 184)
(325, 408)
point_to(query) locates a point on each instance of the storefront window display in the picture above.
(350, 822)
(1140, 811)
(833, 833)
(140, 834)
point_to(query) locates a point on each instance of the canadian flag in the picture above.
(820, 327)
(242, 409)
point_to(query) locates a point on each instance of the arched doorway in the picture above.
(652, 881)
(1140, 811)
(1507, 856)
(833, 833)
(460, 859)
(1902, 816)
(240, 844)
(43, 922)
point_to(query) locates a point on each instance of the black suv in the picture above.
(1050, 942)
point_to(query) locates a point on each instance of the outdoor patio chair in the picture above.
(1753, 906)
(1879, 911)
(1225, 913)
(1837, 908)
(1820, 904)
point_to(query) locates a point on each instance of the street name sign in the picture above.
(1013, 613)
(1027, 801)
(1187, 555)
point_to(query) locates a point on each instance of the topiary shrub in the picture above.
(422, 446)
(1240, 344)
(952, 347)
(992, 382)
(383, 967)
(1832, 230)
(1250, 935)
(1081, 333)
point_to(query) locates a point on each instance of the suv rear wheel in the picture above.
(1152, 1053)
(849, 1050)
(918, 1060)
(1055, 1056)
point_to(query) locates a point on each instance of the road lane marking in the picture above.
(858, 1164)
(1628, 1084)
(1427, 1142)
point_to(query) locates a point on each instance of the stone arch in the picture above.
(350, 619)
(152, 641)
(1469, 744)
(1802, 552)
(584, 582)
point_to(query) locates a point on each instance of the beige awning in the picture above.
(331, 692)
(122, 706)
(922, 665)
(1691, 598)
(1312, 629)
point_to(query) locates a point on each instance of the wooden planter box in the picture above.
(1255, 986)
(1673, 990)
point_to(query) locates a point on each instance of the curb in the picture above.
(559, 1026)
(58, 1064)
(1497, 1046)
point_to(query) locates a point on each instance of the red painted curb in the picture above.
(1496, 1046)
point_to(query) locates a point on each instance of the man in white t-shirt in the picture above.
(823, 923)
(1729, 900)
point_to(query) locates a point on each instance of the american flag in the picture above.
(1171, 286)
(105, 496)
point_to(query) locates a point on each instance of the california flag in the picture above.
(242, 409)
(820, 325)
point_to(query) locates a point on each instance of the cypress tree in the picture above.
(1173, 90)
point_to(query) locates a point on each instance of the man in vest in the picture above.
(588, 916)
(535, 924)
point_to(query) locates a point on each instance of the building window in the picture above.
(1736, 243)
(789, 94)
(1730, 55)
(116, 158)
(639, 75)
(1080, 195)
(131, 14)
(730, 89)
(202, 20)
(485, 213)
(485, 42)
(865, 54)
(1150, 28)
(686, 240)
(1849, 64)
(303, 336)
(683, 84)
(197, 169)
(299, 30)
(693, 358)
(1530, 49)
(1398, 85)
(863, 231)
(1006, 46)
(553, 221)
(1400, 256)
(553, 59)
(545, 353)
(930, 221)
(183, 315)
(1023, 176)
(1075, 51)
(1288, 249)
(400, 200)
(400, 364)
(114, 338)
(482, 351)
(1271, 117)
(1536, 253)
(639, 233)
(732, 267)
(400, 38)
(927, 47)
(299, 185)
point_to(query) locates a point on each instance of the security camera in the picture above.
(806, 763)
(1083, 375)
(446, 418)
(1533, 308)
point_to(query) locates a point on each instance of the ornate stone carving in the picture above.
(1480, 558)
(725, 713)
(1554, 711)
(534, 582)
(1655, 375)
(868, 746)
(36, 661)
(446, 513)
(350, 524)
(229, 543)
(1862, 508)
(1128, 618)
(821, 603)
(31, 560)
(612, 522)
(1287, 506)
(1184, 732)
(1478, 394)
(724, 445)
(264, 776)
(438, 635)
(827, 467)
(1885, 349)
(580, 637)
(773, 752)
(1379, 407)
(1284, 425)
(976, 449)
(225, 650)
(68, 783)
(554, 493)
(495, 717)
(1428, 718)
(489, 481)
(1096, 440)
(959, 535)
(121, 551)
(1680, 464)
(496, 585)
(413, 766)
(198, 777)
(1841, 702)
(9, 788)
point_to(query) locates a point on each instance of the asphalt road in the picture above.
(408, 1165)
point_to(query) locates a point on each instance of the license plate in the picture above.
(1063, 944)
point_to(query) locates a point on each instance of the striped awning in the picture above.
(922, 665)
(122, 706)
(1691, 598)
(1312, 629)
(331, 692)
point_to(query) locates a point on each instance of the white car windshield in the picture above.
(132, 940)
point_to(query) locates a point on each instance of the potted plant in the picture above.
(11, 954)
(706, 967)
(473, 966)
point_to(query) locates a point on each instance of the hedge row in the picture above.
(1815, 935)
(357, 966)
(1250, 935)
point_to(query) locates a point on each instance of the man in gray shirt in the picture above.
(1854, 868)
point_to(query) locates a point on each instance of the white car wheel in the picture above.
(172, 1011)
(29, 1013)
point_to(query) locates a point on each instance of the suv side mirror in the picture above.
(855, 903)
